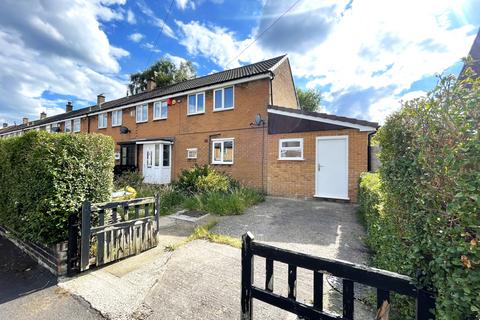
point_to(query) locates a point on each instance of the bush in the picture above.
(170, 197)
(204, 179)
(224, 203)
(45, 177)
(423, 218)
(132, 179)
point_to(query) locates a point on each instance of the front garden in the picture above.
(200, 188)
(422, 209)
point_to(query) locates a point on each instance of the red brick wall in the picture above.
(297, 178)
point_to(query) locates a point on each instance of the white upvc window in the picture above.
(160, 110)
(102, 120)
(48, 128)
(192, 153)
(68, 125)
(290, 149)
(142, 113)
(76, 125)
(116, 118)
(196, 103)
(222, 151)
(223, 99)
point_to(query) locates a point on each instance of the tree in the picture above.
(309, 99)
(164, 72)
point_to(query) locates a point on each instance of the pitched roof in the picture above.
(474, 54)
(325, 116)
(262, 67)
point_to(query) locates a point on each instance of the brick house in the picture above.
(244, 121)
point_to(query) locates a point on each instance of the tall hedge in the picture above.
(423, 213)
(44, 177)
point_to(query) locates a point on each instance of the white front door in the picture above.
(331, 170)
(157, 159)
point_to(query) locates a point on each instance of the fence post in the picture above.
(247, 276)
(72, 252)
(157, 213)
(425, 305)
(85, 236)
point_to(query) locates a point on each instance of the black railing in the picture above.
(384, 281)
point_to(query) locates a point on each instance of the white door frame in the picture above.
(344, 137)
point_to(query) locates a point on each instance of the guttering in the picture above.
(183, 93)
(324, 120)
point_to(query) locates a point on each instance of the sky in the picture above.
(364, 56)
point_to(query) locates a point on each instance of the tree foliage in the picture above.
(423, 215)
(164, 72)
(46, 176)
(309, 99)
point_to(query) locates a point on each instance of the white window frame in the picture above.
(48, 128)
(68, 125)
(189, 156)
(158, 116)
(222, 141)
(223, 108)
(118, 117)
(104, 122)
(280, 148)
(145, 105)
(75, 122)
(196, 103)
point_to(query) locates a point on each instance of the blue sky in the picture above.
(365, 56)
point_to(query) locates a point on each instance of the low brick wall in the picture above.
(53, 258)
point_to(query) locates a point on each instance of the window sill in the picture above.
(222, 163)
(291, 159)
(102, 128)
(195, 114)
(117, 125)
(158, 119)
(144, 121)
(223, 109)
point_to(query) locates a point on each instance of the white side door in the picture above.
(157, 163)
(331, 170)
(148, 163)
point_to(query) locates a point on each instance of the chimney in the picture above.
(151, 84)
(100, 100)
(5, 124)
(43, 115)
(69, 107)
(25, 120)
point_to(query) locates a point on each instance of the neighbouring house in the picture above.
(244, 121)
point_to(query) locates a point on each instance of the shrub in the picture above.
(424, 217)
(128, 179)
(45, 177)
(204, 179)
(170, 196)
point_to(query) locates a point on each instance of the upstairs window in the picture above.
(160, 110)
(102, 120)
(68, 126)
(222, 151)
(192, 153)
(142, 113)
(196, 103)
(290, 149)
(116, 118)
(223, 99)
(76, 125)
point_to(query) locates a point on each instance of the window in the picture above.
(116, 118)
(222, 151)
(196, 103)
(102, 120)
(157, 155)
(290, 149)
(166, 155)
(68, 126)
(160, 110)
(142, 113)
(192, 153)
(76, 125)
(223, 99)
(48, 128)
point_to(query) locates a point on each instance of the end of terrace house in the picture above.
(244, 121)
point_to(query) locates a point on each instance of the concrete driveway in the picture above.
(201, 280)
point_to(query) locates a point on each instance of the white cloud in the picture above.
(361, 56)
(158, 22)
(136, 37)
(184, 4)
(46, 49)
(150, 46)
(131, 17)
(175, 59)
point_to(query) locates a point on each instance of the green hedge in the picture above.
(423, 210)
(45, 177)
